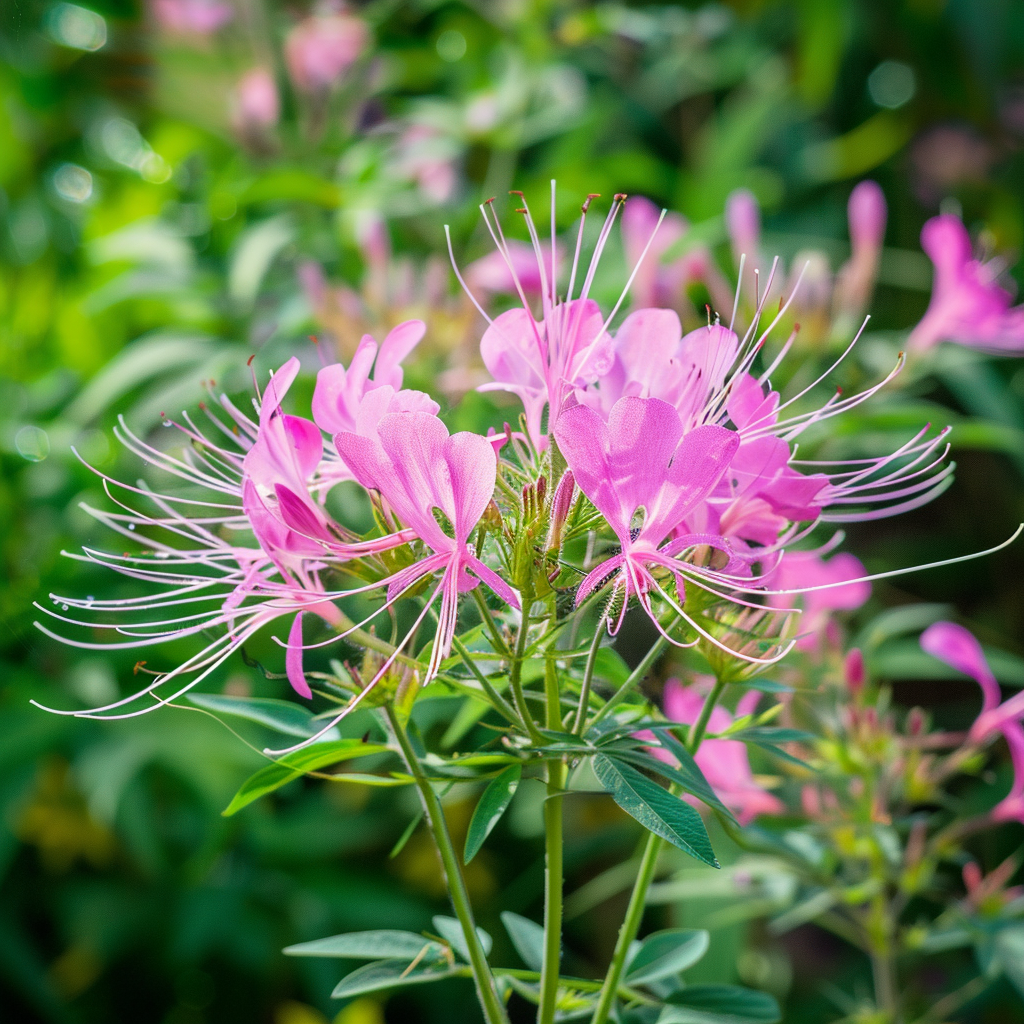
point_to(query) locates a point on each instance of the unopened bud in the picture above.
(743, 222)
(853, 670)
(560, 505)
(867, 215)
(916, 722)
(871, 719)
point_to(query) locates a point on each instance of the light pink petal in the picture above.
(494, 582)
(472, 468)
(957, 647)
(401, 340)
(293, 659)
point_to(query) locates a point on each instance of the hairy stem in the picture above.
(494, 1010)
(556, 777)
(645, 875)
(496, 698)
(588, 679)
(515, 675)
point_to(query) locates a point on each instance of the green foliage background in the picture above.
(124, 895)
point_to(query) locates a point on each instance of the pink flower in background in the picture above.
(660, 281)
(725, 763)
(320, 49)
(192, 17)
(968, 305)
(427, 157)
(798, 569)
(496, 274)
(1011, 807)
(867, 214)
(256, 104)
(958, 648)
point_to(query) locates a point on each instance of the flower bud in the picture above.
(743, 222)
(867, 215)
(561, 502)
(320, 49)
(256, 105)
(853, 671)
(916, 722)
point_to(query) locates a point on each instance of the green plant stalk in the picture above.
(645, 875)
(494, 1010)
(557, 772)
(588, 679)
(499, 702)
(515, 674)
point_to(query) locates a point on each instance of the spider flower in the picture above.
(968, 305)
(1011, 807)
(321, 48)
(958, 648)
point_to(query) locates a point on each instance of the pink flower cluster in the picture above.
(681, 446)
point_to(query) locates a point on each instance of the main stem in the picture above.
(644, 877)
(557, 772)
(494, 1010)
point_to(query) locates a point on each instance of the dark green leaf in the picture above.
(1009, 950)
(720, 1004)
(771, 735)
(693, 780)
(528, 938)
(493, 803)
(392, 974)
(309, 759)
(659, 811)
(282, 716)
(385, 943)
(451, 931)
(666, 953)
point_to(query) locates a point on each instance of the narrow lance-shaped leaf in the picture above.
(720, 1004)
(493, 804)
(384, 974)
(659, 811)
(666, 953)
(385, 943)
(276, 775)
(283, 716)
(451, 931)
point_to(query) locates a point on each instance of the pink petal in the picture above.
(401, 340)
(958, 648)
(293, 659)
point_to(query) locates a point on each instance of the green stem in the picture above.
(497, 639)
(634, 677)
(494, 1010)
(499, 702)
(645, 875)
(588, 679)
(556, 772)
(515, 674)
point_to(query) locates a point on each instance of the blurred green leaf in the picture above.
(282, 716)
(492, 805)
(666, 953)
(720, 1004)
(386, 974)
(528, 938)
(385, 943)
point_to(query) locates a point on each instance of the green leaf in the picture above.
(528, 938)
(1009, 950)
(659, 811)
(276, 775)
(770, 735)
(451, 931)
(282, 716)
(492, 805)
(720, 1004)
(385, 974)
(666, 953)
(693, 778)
(385, 943)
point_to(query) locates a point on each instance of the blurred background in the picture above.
(187, 183)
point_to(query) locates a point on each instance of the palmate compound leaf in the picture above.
(492, 805)
(666, 953)
(528, 938)
(719, 1004)
(320, 755)
(283, 716)
(658, 810)
(384, 943)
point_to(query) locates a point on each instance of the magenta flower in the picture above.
(644, 474)
(968, 305)
(1011, 807)
(843, 588)
(492, 273)
(418, 469)
(192, 17)
(867, 214)
(320, 49)
(724, 762)
(959, 649)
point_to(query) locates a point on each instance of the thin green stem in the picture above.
(497, 639)
(494, 1010)
(588, 679)
(499, 702)
(645, 875)
(515, 674)
(553, 882)
(634, 677)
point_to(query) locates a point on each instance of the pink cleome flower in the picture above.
(320, 49)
